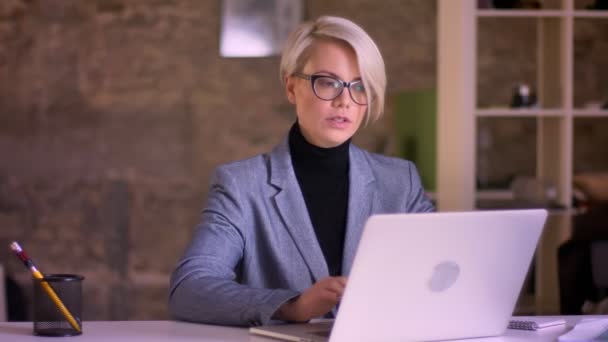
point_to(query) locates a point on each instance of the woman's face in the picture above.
(327, 123)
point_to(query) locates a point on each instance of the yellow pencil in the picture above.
(45, 285)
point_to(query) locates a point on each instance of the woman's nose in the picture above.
(343, 100)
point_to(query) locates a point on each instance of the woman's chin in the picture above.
(333, 140)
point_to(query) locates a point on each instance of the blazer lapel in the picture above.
(292, 209)
(361, 197)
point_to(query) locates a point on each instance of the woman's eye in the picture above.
(329, 83)
(358, 87)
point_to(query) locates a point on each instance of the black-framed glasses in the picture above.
(327, 87)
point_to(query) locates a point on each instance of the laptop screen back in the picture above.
(437, 276)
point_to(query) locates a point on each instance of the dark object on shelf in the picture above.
(495, 184)
(484, 4)
(522, 97)
(504, 4)
(599, 5)
(511, 4)
(605, 106)
(530, 4)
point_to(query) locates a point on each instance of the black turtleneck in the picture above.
(323, 177)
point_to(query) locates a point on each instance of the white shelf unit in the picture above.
(598, 113)
(590, 14)
(519, 113)
(457, 110)
(502, 13)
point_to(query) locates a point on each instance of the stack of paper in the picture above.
(534, 323)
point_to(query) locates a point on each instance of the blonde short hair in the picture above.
(371, 65)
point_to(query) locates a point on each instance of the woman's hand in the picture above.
(316, 301)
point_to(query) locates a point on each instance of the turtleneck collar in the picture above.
(314, 158)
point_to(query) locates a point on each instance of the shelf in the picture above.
(498, 194)
(504, 199)
(555, 50)
(527, 112)
(515, 205)
(506, 13)
(518, 113)
(591, 14)
(600, 113)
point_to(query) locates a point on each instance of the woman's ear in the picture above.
(290, 85)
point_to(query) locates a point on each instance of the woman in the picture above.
(280, 230)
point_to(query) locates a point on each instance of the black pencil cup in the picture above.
(49, 318)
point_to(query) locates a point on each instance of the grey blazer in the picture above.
(255, 247)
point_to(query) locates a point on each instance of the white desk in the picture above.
(153, 331)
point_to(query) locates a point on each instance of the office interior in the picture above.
(114, 114)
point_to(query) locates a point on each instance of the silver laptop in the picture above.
(434, 276)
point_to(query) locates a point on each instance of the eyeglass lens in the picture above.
(328, 88)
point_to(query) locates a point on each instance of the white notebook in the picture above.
(534, 323)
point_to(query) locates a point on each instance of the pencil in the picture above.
(45, 285)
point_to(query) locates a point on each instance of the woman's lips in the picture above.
(339, 122)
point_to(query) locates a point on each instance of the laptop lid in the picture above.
(431, 276)
(437, 276)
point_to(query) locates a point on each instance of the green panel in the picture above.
(416, 120)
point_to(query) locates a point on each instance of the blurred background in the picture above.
(114, 113)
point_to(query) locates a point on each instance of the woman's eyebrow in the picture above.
(326, 72)
(334, 75)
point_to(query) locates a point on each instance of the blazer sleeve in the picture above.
(204, 286)
(417, 202)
